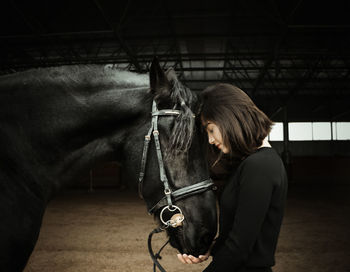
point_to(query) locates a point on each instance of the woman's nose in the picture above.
(211, 140)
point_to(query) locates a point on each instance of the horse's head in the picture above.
(181, 150)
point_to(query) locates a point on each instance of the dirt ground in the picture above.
(107, 231)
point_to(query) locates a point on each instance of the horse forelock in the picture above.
(183, 130)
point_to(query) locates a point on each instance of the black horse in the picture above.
(56, 123)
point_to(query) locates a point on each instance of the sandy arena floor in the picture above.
(107, 231)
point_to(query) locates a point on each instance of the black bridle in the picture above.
(169, 196)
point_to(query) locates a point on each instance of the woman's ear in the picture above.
(160, 85)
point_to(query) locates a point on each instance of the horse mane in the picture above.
(73, 75)
(183, 130)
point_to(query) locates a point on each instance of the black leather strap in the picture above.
(183, 193)
(144, 159)
(154, 129)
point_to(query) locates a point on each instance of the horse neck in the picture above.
(51, 133)
(102, 129)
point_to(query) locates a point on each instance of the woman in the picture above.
(252, 202)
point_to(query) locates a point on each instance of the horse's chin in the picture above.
(176, 240)
(179, 241)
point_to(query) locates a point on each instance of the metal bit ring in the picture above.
(172, 209)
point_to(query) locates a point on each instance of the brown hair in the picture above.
(242, 124)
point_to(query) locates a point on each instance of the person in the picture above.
(253, 200)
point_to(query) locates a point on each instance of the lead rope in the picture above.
(156, 256)
(175, 221)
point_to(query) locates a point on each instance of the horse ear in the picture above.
(159, 83)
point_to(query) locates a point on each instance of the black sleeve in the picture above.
(254, 197)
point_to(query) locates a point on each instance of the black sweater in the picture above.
(251, 211)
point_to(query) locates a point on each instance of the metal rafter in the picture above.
(302, 81)
(34, 27)
(41, 33)
(175, 39)
(276, 48)
(131, 55)
(244, 74)
(227, 45)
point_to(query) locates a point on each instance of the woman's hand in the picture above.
(189, 259)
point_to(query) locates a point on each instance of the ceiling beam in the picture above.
(303, 80)
(131, 55)
(175, 39)
(275, 52)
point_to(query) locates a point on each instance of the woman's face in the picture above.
(214, 136)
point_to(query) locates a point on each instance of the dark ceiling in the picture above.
(282, 53)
